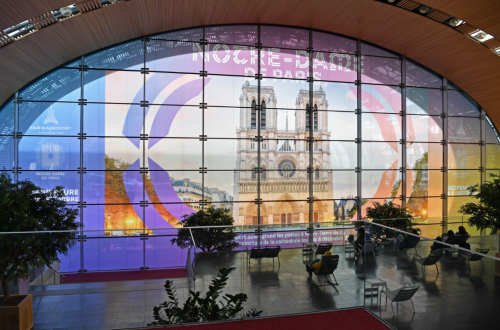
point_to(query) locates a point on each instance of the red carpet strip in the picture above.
(351, 319)
(124, 275)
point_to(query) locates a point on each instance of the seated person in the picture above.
(360, 240)
(316, 264)
(447, 236)
(462, 231)
(437, 246)
(401, 241)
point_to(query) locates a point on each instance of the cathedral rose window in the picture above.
(286, 168)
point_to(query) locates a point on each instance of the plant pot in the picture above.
(497, 265)
(18, 317)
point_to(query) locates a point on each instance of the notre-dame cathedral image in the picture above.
(284, 160)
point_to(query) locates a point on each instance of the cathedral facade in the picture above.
(284, 160)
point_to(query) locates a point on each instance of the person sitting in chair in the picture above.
(360, 241)
(316, 264)
(401, 241)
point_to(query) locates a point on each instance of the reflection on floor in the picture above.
(455, 298)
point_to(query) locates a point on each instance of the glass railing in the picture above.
(271, 265)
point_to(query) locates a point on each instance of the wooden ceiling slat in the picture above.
(468, 64)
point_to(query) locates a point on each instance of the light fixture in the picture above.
(454, 21)
(66, 11)
(480, 35)
(391, 1)
(423, 9)
(112, 1)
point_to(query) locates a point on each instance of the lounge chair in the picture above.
(400, 295)
(328, 266)
(411, 243)
(432, 259)
(322, 248)
(469, 256)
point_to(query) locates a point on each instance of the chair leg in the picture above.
(482, 263)
(436, 268)
(412, 306)
(392, 307)
(336, 282)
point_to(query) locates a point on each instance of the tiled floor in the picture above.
(454, 298)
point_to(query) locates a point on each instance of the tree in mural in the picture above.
(220, 239)
(212, 307)
(417, 204)
(486, 212)
(27, 207)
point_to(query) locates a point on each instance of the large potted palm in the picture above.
(24, 207)
(485, 214)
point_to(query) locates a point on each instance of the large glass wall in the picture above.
(281, 125)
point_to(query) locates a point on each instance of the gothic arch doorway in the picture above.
(286, 210)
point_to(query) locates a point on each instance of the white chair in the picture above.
(400, 295)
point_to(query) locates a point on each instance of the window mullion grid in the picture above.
(258, 121)
(82, 193)
(144, 144)
(359, 133)
(310, 115)
(444, 168)
(403, 132)
(204, 47)
(16, 136)
(484, 175)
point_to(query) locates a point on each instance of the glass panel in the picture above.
(460, 104)
(191, 34)
(368, 49)
(418, 76)
(108, 153)
(173, 121)
(122, 56)
(284, 37)
(227, 91)
(281, 93)
(379, 70)
(464, 130)
(173, 89)
(175, 56)
(175, 154)
(492, 156)
(126, 120)
(343, 155)
(7, 118)
(334, 66)
(338, 96)
(101, 187)
(344, 184)
(228, 123)
(160, 253)
(381, 184)
(49, 179)
(381, 127)
(464, 156)
(384, 99)
(342, 125)
(328, 42)
(110, 253)
(459, 181)
(424, 128)
(175, 187)
(491, 132)
(58, 85)
(49, 118)
(233, 34)
(287, 182)
(113, 86)
(6, 152)
(424, 101)
(221, 154)
(381, 155)
(49, 153)
(424, 155)
(454, 204)
(425, 210)
(424, 183)
(240, 60)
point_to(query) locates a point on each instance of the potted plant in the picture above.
(221, 239)
(212, 307)
(390, 215)
(26, 207)
(485, 214)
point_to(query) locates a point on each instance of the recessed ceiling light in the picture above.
(423, 9)
(454, 21)
(480, 35)
(66, 11)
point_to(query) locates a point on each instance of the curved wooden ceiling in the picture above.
(470, 65)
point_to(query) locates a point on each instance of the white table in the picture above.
(375, 283)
